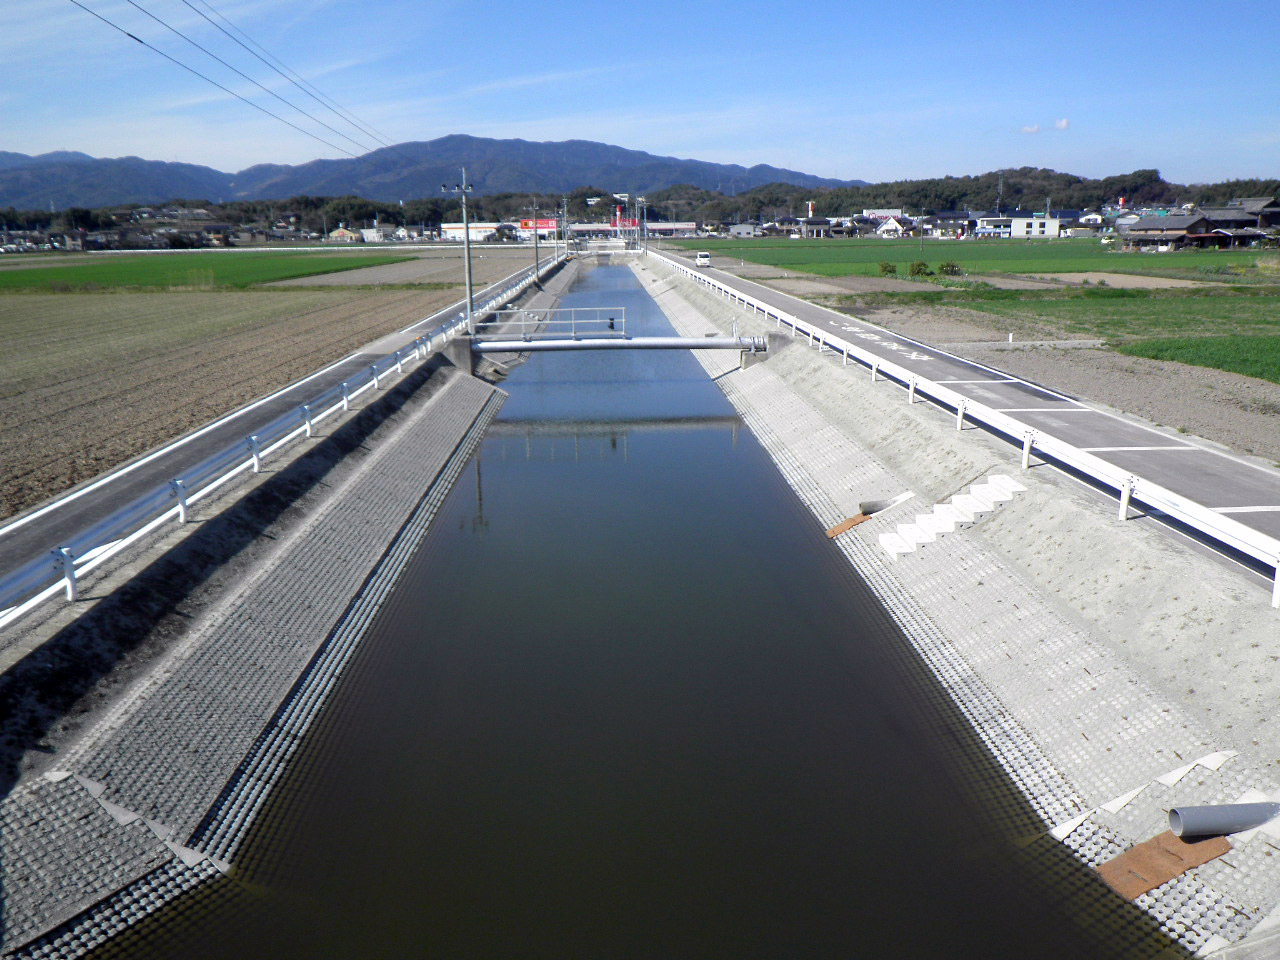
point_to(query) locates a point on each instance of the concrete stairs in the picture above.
(962, 509)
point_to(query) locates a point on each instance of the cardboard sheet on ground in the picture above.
(844, 525)
(1157, 861)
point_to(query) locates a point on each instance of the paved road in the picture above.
(1247, 492)
(38, 533)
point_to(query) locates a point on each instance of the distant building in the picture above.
(1039, 228)
(478, 231)
(898, 226)
(1171, 233)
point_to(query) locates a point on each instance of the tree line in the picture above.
(1026, 188)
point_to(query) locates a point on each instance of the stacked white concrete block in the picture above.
(961, 509)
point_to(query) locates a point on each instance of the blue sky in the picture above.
(853, 89)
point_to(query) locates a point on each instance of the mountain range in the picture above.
(405, 171)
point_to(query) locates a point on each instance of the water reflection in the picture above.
(629, 702)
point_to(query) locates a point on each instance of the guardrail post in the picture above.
(399, 363)
(256, 452)
(346, 396)
(1126, 492)
(875, 370)
(180, 491)
(68, 563)
(373, 372)
(960, 409)
(845, 361)
(1028, 441)
(306, 416)
(1275, 588)
(911, 390)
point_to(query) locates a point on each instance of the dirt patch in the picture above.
(1123, 281)
(90, 381)
(807, 285)
(444, 265)
(938, 325)
(1008, 281)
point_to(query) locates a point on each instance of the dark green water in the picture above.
(629, 702)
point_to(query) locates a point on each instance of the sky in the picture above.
(851, 89)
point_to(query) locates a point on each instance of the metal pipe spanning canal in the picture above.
(745, 344)
(637, 706)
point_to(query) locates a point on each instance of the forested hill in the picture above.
(402, 172)
(1027, 188)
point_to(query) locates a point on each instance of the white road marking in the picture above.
(1182, 446)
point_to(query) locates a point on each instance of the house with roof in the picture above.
(815, 227)
(894, 227)
(1172, 233)
(1265, 209)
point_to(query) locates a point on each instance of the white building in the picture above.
(894, 227)
(478, 231)
(1039, 228)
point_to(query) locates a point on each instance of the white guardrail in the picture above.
(43, 578)
(1128, 486)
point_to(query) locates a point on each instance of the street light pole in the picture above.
(462, 189)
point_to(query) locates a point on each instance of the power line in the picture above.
(197, 73)
(244, 75)
(292, 76)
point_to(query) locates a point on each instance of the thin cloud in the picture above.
(534, 80)
(1033, 128)
(1062, 124)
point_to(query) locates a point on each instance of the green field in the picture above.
(212, 270)
(861, 257)
(1252, 356)
(1119, 315)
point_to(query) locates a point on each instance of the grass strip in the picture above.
(198, 271)
(862, 257)
(1252, 356)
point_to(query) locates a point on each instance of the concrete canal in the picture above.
(628, 701)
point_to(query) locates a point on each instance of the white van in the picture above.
(702, 259)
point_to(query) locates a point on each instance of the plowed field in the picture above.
(89, 381)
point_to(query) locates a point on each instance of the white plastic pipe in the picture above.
(1220, 819)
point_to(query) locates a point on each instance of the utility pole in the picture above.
(462, 189)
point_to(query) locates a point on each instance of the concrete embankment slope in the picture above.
(1102, 664)
(155, 798)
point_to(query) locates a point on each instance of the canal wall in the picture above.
(154, 800)
(1113, 672)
